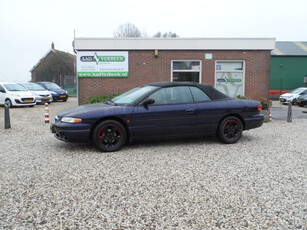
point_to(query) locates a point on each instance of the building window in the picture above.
(186, 71)
(229, 77)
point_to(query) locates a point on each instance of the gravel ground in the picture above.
(258, 183)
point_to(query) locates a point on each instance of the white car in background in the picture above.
(14, 94)
(41, 95)
(292, 96)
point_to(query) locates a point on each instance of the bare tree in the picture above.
(127, 30)
(166, 35)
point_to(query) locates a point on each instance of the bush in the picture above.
(243, 97)
(98, 99)
(266, 103)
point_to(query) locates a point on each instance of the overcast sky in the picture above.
(27, 28)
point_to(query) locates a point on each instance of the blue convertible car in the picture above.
(158, 110)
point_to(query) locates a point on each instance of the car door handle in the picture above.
(190, 111)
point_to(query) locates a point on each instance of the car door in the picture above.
(172, 114)
(2, 95)
(208, 111)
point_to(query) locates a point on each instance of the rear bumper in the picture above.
(254, 121)
(70, 133)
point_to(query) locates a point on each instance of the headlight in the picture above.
(53, 92)
(71, 120)
(66, 92)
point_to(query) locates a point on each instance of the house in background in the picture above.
(288, 66)
(58, 67)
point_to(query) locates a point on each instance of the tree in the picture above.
(166, 35)
(127, 30)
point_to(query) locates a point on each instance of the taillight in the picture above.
(260, 107)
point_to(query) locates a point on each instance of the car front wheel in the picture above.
(8, 102)
(293, 101)
(109, 136)
(230, 130)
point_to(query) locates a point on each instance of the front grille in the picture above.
(44, 95)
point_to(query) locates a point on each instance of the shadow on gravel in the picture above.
(85, 148)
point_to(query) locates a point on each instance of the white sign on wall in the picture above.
(229, 83)
(102, 64)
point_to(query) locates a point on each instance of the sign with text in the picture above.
(230, 83)
(102, 64)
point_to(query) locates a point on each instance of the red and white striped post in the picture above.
(46, 113)
(270, 116)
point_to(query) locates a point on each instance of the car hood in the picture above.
(21, 93)
(59, 91)
(41, 92)
(288, 95)
(304, 97)
(86, 110)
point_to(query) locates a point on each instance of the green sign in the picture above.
(102, 64)
(103, 74)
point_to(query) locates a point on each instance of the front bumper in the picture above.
(301, 102)
(23, 101)
(71, 132)
(59, 97)
(40, 99)
(285, 100)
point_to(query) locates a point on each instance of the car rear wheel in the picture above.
(8, 102)
(230, 130)
(109, 136)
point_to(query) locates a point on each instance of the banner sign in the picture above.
(230, 83)
(102, 64)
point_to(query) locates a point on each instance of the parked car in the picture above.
(292, 96)
(41, 94)
(58, 94)
(158, 110)
(14, 94)
(302, 100)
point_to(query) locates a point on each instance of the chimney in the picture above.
(52, 45)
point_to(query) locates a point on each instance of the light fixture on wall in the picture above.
(156, 53)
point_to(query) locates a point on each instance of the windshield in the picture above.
(132, 95)
(52, 86)
(14, 87)
(34, 87)
(296, 91)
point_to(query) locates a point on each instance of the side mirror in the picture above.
(148, 101)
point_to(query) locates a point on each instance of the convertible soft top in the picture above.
(213, 93)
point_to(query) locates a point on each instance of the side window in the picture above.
(172, 95)
(2, 89)
(199, 95)
(305, 91)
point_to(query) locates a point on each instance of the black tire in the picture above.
(301, 105)
(31, 105)
(293, 101)
(230, 130)
(109, 136)
(8, 102)
(64, 100)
